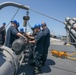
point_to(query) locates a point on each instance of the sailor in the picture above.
(38, 40)
(32, 47)
(21, 30)
(34, 31)
(17, 26)
(17, 37)
(2, 33)
(46, 43)
(12, 34)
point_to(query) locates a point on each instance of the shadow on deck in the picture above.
(26, 69)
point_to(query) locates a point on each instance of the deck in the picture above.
(54, 66)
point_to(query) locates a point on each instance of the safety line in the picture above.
(46, 15)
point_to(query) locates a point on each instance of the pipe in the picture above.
(10, 62)
(9, 3)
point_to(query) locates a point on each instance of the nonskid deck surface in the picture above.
(53, 66)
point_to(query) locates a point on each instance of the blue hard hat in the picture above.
(14, 21)
(21, 29)
(18, 24)
(4, 23)
(37, 25)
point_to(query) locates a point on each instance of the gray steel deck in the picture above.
(54, 66)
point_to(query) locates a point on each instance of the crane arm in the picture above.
(4, 4)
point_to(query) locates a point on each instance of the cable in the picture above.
(63, 54)
(38, 13)
(13, 16)
(46, 15)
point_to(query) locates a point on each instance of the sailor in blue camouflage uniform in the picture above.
(2, 34)
(12, 34)
(46, 43)
(32, 48)
(38, 40)
(21, 30)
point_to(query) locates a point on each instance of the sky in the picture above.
(58, 9)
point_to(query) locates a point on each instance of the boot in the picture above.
(37, 70)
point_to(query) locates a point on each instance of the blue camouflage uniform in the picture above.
(2, 34)
(46, 43)
(39, 38)
(11, 36)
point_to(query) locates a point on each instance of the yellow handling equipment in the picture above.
(63, 54)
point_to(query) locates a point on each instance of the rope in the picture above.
(71, 54)
(71, 58)
(64, 54)
(13, 16)
(46, 16)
